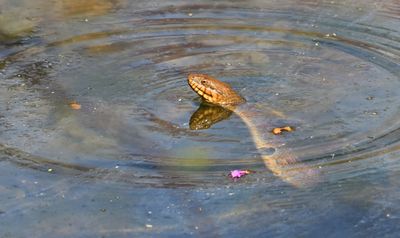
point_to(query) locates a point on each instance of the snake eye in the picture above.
(203, 82)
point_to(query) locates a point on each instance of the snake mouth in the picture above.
(203, 91)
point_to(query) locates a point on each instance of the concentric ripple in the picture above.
(334, 77)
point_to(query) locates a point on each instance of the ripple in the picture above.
(129, 71)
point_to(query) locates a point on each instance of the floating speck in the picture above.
(74, 105)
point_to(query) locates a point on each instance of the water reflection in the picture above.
(89, 8)
(207, 115)
(330, 68)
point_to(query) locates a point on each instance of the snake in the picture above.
(219, 93)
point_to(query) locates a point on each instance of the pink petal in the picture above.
(238, 173)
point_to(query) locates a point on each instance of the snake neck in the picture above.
(276, 156)
(219, 93)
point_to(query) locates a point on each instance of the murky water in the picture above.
(127, 163)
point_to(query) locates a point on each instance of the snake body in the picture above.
(219, 93)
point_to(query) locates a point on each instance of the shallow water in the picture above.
(127, 163)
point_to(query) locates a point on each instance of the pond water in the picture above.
(127, 163)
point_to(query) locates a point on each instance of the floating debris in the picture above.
(75, 106)
(279, 130)
(330, 35)
(238, 173)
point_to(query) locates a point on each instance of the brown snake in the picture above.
(220, 93)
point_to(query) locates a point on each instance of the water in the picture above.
(127, 164)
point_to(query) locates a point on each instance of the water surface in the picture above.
(127, 163)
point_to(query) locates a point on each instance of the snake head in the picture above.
(214, 91)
